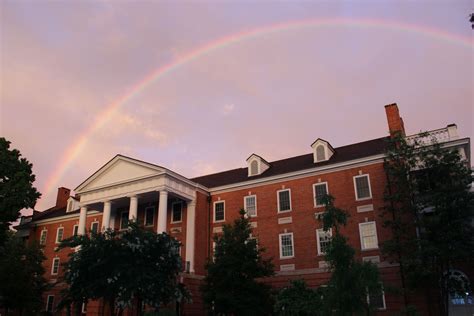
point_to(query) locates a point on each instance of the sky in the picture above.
(198, 86)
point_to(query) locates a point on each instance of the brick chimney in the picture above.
(63, 196)
(395, 122)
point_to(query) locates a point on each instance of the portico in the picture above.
(128, 182)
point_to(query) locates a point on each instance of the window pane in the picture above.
(286, 245)
(362, 186)
(320, 155)
(219, 211)
(124, 220)
(149, 214)
(320, 192)
(368, 236)
(250, 205)
(59, 237)
(284, 198)
(254, 168)
(95, 227)
(75, 230)
(177, 211)
(43, 237)
(324, 238)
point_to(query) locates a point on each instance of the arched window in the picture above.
(254, 167)
(69, 206)
(320, 153)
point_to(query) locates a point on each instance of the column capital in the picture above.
(163, 192)
(191, 203)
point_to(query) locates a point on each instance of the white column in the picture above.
(132, 212)
(190, 233)
(81, 230)
(106, 215)
(162, 212)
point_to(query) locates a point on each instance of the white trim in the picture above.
(74, 228)
(278, 200)
(98, 228)
(44, 230)
(121, 217)
(355, 187)
(316, 205)
(320, 253)
(58, 219)
(84, 308)
(214, 211)
(47, 303)
(52, 266)
(292, 246)
(245, 203)
(360, 235)
(57, 234)
(146, 216)
(172, 212)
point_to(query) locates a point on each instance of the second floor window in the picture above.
(286, 245)
(320, 190)
(284, 200)
(219, 211)
(177, 214)
(362, 187)
(55, 267)
(59, 235)
(44, 233)
(323, 240)
(250, 205)
(368, 236)
(149, 215)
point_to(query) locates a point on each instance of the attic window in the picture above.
(69, 206)
(322, 150)
(256, 165)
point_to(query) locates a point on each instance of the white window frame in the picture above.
(280, 236)
(361, 238)
(146, 216)
(98, 226)
(314, 193)
(74, 232)
(278, 200)
(245, 203)
(320, 253)
(57, 234)
(214, 215)
(172, 212)
(383, 300)
(355, 187)
(52, 266)
(84, 308)
(120, 226)
(45, 231)
(52, 303)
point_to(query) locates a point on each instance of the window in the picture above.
(95, 227)
(55, 266)
(75, 229)
(69, 206)
(50, 303)
(286, 246)
(44, 233)
(368, 236)
(362, 187)
(320, 153)
(219, 211)
(59, 234)
(319, 191)
(376, 300)
(177, 212)
(254, 167)
(284, 200)
(250, 205)
(149, 215)
(323, 239)
(124, 220)
(84, 308)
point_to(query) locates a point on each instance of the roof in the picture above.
(298, 163)
(52, 212)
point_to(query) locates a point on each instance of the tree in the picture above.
(21, 276)
(16, 186)
(351, 281)
(231, 285)
(124, 269)
(428, 186)
(298, 300)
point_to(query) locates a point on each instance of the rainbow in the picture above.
(76, 147)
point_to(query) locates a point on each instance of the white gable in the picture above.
(119, 170)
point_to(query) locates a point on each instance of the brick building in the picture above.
(281, 197)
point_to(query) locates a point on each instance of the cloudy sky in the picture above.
(198, 86)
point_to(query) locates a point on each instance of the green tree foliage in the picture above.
(231, 286)
(298, 300)
(21, 276)
(16, 186)
(133, 267)
(351, 280)
(428, 185)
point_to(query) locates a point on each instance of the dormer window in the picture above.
(256, 165)
(72, 204)
(322, 150)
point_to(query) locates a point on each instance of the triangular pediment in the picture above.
(120, 169)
